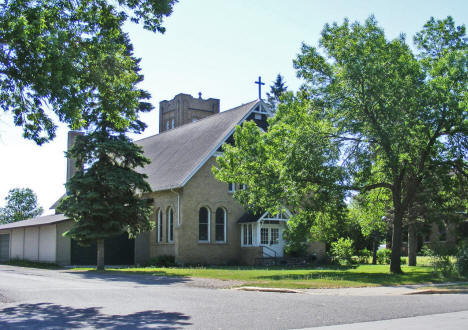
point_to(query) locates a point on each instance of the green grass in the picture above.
(32, 264)
(330, 277)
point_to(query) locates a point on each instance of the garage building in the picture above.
(41, 239)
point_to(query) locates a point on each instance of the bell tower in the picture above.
(184, 109)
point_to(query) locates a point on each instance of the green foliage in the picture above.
(290, 165)
(369, 209)
(399, 116)
(105, 196)
(276, 91)
(21, 204)
(162, 261)
(403, 261)
(342, 251)
(440, 259)
(363, 256)
(384, 256)
(72, 57)
(461, 264)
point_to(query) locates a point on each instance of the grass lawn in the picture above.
(329, 277)
(32, 264)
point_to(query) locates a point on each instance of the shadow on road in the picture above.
(153, 278)
(47, 315)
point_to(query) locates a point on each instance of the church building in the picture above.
(197, 219)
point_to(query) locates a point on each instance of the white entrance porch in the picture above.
(266, 232)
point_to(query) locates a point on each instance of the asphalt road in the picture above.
(32, 298)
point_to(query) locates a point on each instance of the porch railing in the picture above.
(269, 253)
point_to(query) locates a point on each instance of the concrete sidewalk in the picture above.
(446, 321)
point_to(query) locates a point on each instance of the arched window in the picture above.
(220, 229)
(159, 226)
(203, 225)
(170, 225)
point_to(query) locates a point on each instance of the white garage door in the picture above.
(4, 247)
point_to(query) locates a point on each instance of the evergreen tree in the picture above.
(106, 195)
(276, 90)
(21, 205)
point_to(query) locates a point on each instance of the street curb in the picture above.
(438, 291)
(260, 289)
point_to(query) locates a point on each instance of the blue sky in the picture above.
(219, 48)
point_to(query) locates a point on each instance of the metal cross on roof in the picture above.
(260, 83)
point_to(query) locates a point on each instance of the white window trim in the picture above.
(246, 225)
(231, 191)
(170, 221)
(209, 225)
(159, 233)
(224, 225)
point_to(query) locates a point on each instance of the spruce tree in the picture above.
(276, 90)
(105, 196)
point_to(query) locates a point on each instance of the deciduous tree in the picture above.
(21, 204)
(67, 58)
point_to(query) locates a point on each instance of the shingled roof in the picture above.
(44, 220)
(177, 154)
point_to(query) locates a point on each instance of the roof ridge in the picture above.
(198, 121)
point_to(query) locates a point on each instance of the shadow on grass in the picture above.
(47, 315)
(143, 278)
(31, 264)
(361, 277)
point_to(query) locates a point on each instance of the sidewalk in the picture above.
(447, 321)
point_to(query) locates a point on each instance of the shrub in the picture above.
(162, 261)
(440, 261)
(363, 256)
(461, 263)
(384, 256)
(342, 251)
(403, 261)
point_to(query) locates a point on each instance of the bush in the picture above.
(162, 261)
(363, 256)
(461, 265)
(342, 251)
(403, 261)
(440, 261)
(384, 256)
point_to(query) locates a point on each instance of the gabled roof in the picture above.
(249, 217)
(44, 220)
(177, 154)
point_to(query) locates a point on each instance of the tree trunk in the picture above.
(412, 244)
(100, 254)
(374, 250)
(395, 266)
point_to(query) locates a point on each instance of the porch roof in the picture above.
(249, 217)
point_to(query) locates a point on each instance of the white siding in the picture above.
(31, 243)
(17, 243)
(47, 243)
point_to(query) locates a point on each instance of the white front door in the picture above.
(271, 236)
